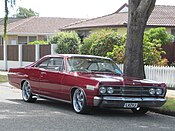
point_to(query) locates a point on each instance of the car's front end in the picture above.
(112, 89)
(130, 96)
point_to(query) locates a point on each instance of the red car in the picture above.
(86, 81)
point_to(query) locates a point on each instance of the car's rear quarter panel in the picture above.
(15, 76)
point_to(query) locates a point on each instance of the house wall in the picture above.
(12, 39)
(168, 30)
(86, 32)
(122, 30)
(41, 37)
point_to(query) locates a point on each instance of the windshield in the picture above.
(83, 64)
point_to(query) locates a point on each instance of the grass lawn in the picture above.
(3, 78)
(169, 105)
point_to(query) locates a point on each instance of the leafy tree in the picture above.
(117, 54)
(12, 3)
(25, 13)
(7, 2)
(152, 48)
(67, 42)
(139, 12)
(158, 35)
(100, 42)
(152, 45)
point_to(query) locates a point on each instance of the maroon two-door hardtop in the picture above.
(86, 81)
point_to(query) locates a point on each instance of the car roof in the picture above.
(76, 55)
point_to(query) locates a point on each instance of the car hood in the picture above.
(113, 79)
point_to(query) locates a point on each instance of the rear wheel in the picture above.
(79, 102)
(140, 110)
(27, 93)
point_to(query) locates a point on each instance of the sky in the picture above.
(73, 8)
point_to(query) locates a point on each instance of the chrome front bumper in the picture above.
(110, 101)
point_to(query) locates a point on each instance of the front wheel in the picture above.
(140, 110)
(79, 102)
(27, 93)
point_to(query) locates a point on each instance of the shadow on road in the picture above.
(47, 106)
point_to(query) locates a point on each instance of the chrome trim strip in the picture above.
(97, 100)
(12, 73)
(110, 98)
(132, 99)
(51, 98)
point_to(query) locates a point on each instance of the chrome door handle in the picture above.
(43, 73)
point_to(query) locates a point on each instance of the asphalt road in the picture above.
(45, 115)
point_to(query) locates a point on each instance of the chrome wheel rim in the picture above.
(78, 100)
(26, 91)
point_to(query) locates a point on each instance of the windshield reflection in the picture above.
(83, 64)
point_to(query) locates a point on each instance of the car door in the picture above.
(51, 74)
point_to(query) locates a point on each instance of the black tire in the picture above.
(140, 110)
(27, 93)
(79, 102)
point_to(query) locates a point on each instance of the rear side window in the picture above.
(54, 64)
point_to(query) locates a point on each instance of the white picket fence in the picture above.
(164, 74)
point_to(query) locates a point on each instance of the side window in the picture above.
(43, 64)
(54, 64)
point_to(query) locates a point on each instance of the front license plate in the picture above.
(130, 105)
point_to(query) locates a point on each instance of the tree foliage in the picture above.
(67, 42)
(152, 48)
(7, 3)
(25, 13)
(41, 42)
(158, 35)
(100, 42)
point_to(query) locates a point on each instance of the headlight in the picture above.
(152, 91)
(102, 90)
(159, 91)
(110, 90)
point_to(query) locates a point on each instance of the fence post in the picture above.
(37, 52)
(5, 56)
(20, 55)
(53, 48)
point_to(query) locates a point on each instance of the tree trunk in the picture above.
(139, 12)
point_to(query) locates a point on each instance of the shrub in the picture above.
(158, 35)
(152, 47)
(67, 42)
(117, 54)
(100, 42)
(38, 43)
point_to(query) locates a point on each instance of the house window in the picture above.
(22, 39)
(32, 38)
(26, 39)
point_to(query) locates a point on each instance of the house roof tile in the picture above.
(38, 25)
(161, 16)
(10, 20)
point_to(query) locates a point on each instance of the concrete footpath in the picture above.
(170, 92)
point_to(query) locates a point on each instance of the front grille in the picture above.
(131, 91)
